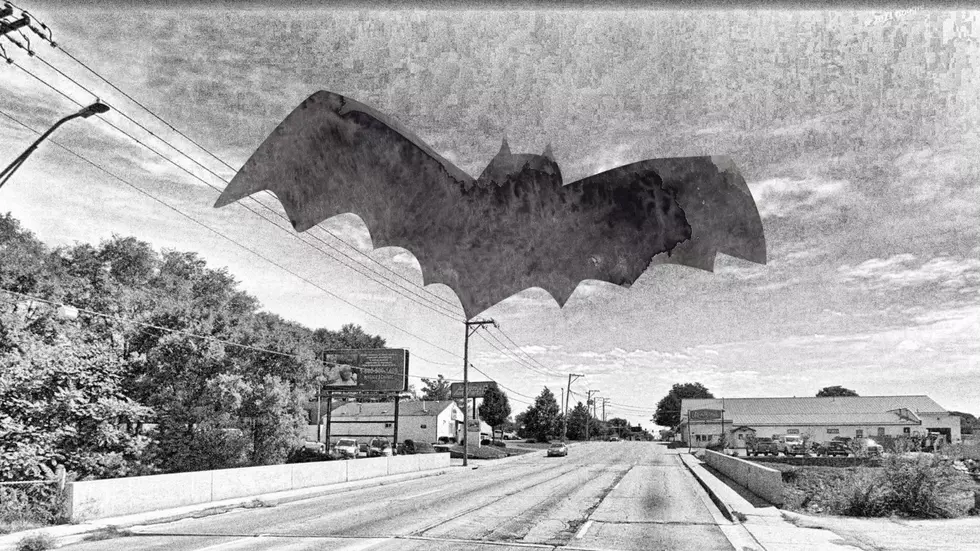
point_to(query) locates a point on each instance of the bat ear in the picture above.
(547, 153)
(504, 148)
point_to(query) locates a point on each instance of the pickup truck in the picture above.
(761, 446)
(791, 445)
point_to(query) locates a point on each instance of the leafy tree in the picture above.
(436, 389)
(577, 420)
(969, 424)
(836, 390)
(495, 407)
(669, 407)
(61, 402)
(543, 419)
(619, 427)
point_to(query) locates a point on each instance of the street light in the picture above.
(96, 108)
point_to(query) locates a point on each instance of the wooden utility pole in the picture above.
(568, 396)
(476, 324)
(589, 407)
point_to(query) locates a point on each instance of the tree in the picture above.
(543, 419)
(836, 390)
(436, 389)
(578, 418)
(495, 407)
(669, 407)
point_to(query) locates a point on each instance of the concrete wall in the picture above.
(94, 499)
(762, 481)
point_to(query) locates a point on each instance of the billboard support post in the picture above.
(329, 409)
(395, 436)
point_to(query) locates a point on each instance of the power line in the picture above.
(222, 235)
(148, 110)
(521, 362)
(292, 234)
(506, 336)
(510, 390)
(167, 329)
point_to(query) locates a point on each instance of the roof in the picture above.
(420, 408)
(839, 410)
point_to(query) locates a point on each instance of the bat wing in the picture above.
(716, 202)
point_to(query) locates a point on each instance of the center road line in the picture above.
(581, 531)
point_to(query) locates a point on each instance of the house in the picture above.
(703, 421)
(421, 421)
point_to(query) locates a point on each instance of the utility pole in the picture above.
(568, 396)
(589, 407)
(476, 324)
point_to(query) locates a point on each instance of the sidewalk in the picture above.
(768, 528)
(66, 534)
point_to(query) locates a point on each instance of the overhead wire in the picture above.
(292, 234)
(224, 236)
(191, 334)
(195, 161)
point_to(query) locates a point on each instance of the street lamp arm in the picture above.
(94, 109)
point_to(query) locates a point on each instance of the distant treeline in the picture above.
(77, 389)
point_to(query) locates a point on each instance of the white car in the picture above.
(346, 448)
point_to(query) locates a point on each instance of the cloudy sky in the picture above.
(856, 131)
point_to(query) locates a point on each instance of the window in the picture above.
(881, 431)
(424, 426)
(792, 431)
(833, 431)
(388, 425)
(741, 437)
(859, 433)
(906, 430)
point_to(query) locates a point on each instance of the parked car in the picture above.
(362, 450)
(613, 439)
(791, 445)
(346, 448)
(866, 447)
(761, 446)
(379, 447)
(558, 449)
(834, 447)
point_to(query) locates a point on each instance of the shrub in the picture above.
(32, 505)
(925, 486)
(499, 444)
(35, 542)
(307, 455)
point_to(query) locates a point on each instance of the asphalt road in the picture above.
(602, 496)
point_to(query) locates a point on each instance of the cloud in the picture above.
(900, 271)
(781, 197)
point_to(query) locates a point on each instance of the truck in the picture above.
(761, 445)
(791, 445)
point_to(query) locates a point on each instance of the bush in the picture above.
(35, 542)
(924, 486)
(28, 506)
(306, 455)
(499, 444)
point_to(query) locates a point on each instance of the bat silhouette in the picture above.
(516, 226)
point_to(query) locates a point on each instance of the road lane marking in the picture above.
(416, 496)
(581, 531)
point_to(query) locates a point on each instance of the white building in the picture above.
(703, 421)
(421, 421)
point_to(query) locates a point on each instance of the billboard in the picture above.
(476, 390)
(704, 414)
(364, 370)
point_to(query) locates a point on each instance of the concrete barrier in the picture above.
(123, 496)
(762, 481)
(371, 467)
(95, 499)
(403, 464)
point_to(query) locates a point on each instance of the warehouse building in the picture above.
(703, 421)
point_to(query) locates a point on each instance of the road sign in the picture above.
(371, 370)
(476, 390)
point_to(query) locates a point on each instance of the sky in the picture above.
(856, 131)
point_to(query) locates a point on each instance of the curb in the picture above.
(75, 533)
(694, 468)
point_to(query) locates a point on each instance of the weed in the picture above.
(36, 542)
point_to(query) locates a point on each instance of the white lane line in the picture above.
(581, 531)
(365, 544)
